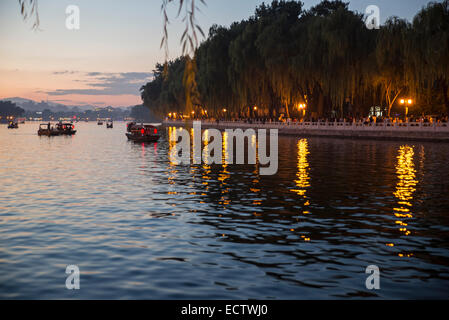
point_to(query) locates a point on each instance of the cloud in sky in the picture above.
(64, 72)
(106, 83)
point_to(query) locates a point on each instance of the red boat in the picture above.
(142, 132)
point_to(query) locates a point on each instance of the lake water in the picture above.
(140, 227)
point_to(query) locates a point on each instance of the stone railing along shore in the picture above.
(385, 131)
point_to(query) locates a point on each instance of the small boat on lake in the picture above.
(66, 128)
(142, 132)
(100, 122)
(45, 129)
(130, 126)
(13, 125)
(109, 124)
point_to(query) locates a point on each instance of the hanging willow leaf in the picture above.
(29, 8)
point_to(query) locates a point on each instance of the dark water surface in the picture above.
(139, 227)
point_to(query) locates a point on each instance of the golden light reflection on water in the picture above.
(406, 173)
(255, 183)
(224, 173)
(206, 168)
(172, 171)
(302, 176)
(172, 144)
(405, 188)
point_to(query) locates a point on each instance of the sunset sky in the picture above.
(112, 55)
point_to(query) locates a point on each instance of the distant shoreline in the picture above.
(403, 131)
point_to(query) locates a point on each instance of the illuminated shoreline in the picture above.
(400, 131)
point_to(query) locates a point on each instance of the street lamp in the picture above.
(302, 106)
(407, 103)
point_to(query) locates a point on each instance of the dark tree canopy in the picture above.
(325, 57)
(7, 109)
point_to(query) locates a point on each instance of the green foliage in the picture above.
(324, 57)
(142, 114)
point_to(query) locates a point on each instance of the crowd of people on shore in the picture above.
(370, 120)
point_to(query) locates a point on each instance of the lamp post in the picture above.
(407, 103)
(302, 106)
(255, 112)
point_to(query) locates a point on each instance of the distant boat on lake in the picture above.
(45, 129)
(66, 128)
(142, 132)
(13, 125)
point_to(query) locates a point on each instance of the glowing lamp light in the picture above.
(224, 110)
(407, 103)
(142, 131)
(155, 131)
(255, 108)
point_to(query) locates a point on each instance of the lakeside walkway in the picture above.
(383, 131)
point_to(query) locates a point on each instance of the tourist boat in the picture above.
(66, 128)
(109, 125)
(130, 126)
(13, 125)
(99, 122)
(46, 130)
(142, 132)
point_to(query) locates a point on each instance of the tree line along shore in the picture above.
(318, 63)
